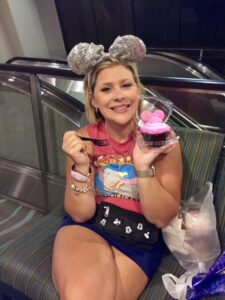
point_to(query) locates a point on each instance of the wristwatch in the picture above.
(144, 174)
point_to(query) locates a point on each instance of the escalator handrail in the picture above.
(34, 59)
(40, 70)
(201, 69)
(31, 61)
(194, 83)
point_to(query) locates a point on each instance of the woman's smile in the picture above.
(121, 108)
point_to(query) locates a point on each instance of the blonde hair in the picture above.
(93, 115)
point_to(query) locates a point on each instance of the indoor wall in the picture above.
(30, 28)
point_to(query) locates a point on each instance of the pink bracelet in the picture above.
(79, 176)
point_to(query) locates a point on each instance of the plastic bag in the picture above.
(211, 283)
(192, 235)
(192, 238)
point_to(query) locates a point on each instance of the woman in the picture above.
(117, 196)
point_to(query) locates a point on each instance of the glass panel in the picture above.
(58, 118)
(16, 119)
(205, 106)
(68, 85)
(159, 66)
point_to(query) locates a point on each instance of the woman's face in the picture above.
(116, 94)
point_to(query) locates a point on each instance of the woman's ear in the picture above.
(92, 101)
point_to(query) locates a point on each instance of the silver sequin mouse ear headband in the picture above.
(83, 57)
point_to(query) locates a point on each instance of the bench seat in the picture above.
(25, 264)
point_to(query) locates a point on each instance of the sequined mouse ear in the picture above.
(128, 48)
(84, 56)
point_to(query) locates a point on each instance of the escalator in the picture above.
(170, 64)
(157, 64)
(39, 103)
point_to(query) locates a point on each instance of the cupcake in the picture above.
(154, 130)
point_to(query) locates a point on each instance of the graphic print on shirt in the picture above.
(116, 178)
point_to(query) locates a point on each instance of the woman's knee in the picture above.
(76, 289)
(88, 286)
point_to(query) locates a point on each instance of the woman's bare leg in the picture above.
(83, 265)
(131, 279)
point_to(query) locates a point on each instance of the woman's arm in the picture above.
(160, 194)
(80, 206)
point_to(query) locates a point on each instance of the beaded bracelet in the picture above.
(82, 189)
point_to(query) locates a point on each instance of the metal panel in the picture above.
(22, 183)
(56, 190)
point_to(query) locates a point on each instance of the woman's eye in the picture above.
(127, 85)
(105, 89)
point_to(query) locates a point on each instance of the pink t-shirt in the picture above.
(115, 177)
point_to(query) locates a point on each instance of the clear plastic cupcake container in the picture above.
(150, 103)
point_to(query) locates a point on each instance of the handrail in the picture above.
(34, 59)
(149, 49)
(215, 85)
(193, 65)
(193, 83)
(39, 70)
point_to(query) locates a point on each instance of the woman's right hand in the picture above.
(144, 156)
(75, 148)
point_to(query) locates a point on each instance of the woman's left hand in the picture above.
(144, 155)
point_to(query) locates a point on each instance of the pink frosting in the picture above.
(153, 122)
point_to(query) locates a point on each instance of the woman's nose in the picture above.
(118, 94)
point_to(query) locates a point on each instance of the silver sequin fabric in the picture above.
(128, 48)
(84, 56)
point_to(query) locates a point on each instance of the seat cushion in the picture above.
(26, 264)
(201, 151)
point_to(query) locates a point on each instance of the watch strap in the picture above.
(147, 173)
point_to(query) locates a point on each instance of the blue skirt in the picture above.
(148, 260)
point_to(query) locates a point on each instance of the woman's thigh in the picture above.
(131, 279)
(83, 265)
